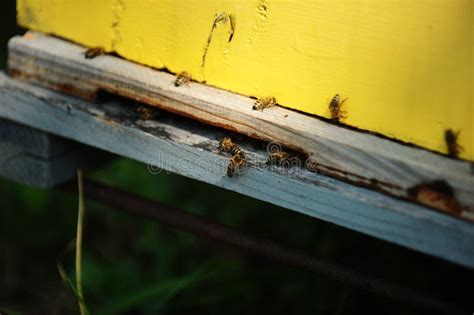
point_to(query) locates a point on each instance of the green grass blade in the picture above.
(67, 280)
(80, 224)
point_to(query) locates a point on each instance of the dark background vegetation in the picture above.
(134, 266)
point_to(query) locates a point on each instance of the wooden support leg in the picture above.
(37, 158)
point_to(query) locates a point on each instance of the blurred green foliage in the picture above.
(135, 266)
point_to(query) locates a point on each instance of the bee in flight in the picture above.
(182, 78)
(451, 138)
(335, 108)
(264, 102)
(237, 159)
(93, 52)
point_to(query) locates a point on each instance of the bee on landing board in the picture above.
(264, 102)
(145, 112)
(182, 78)
(451, 138)
(226, 145)
(278, 158)
(237, 159)
(335, 108)
(235, 162)
(93, 52)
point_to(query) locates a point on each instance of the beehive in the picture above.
(405, 67)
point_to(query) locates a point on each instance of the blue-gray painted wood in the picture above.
(345, 154)
(188, 148)
(33, 141)
(37, 158)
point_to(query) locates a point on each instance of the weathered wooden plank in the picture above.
(37, 158)
(405, 66)
(188, 148)
(355, 157)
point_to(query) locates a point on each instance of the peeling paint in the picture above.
(74, 84)
(117, 9)
(66, 88)
(220, 18)
(262, 9)
(260, 24)
(319, 47)
(29, 16)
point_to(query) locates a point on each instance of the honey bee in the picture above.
(145, 112)
(226, 145)
(93, 52)
(277, 158)
(335, 108)
(235, 163)
(237, 155)
(451, 138)
(264, 102)
(182, 78)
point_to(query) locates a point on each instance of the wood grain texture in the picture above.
(182, 146)
(355, 157)
(405, 66)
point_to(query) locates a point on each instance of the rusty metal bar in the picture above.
(173, 216)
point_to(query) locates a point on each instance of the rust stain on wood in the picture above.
(436, 194)
(65, 88)
(354, 179)
(425, 194)
(310, 164)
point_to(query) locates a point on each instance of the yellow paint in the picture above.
(405, 66)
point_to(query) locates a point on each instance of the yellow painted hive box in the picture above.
(405, 67)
